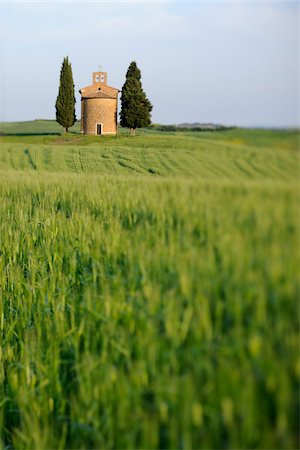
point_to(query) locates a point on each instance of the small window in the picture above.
(102, 78)
(97, 78)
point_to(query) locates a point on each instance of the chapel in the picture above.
(99, 106)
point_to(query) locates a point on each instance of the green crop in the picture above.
(148, 291)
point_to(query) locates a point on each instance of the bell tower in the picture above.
(100, 78)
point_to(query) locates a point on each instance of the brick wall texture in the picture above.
(98, 110)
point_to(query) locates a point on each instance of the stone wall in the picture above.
(99, 110)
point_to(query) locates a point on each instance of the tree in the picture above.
(136, 108)
(65, 102)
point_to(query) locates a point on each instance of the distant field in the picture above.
(37, 127)
(234, 154)
(148, 290)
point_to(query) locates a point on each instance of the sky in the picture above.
(232, 63)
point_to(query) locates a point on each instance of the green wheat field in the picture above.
(149, 289)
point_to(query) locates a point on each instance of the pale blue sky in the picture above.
(222, 62)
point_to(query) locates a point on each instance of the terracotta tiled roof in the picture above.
(99, 91)
(97, 94)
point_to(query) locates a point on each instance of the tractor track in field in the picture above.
(30, 159)
(127, 166)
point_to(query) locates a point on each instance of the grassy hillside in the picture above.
(235, 154)
(149, 291)
(37, 127)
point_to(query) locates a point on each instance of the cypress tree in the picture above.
(136, 108)
(65, 102)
